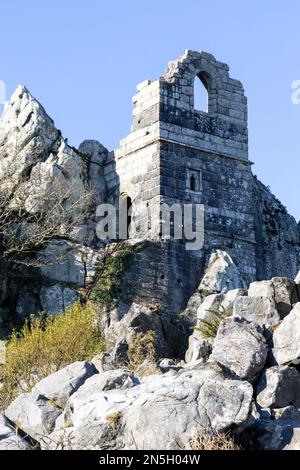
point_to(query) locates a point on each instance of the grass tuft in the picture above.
(209, 328)
(140, 348)
(216, 441)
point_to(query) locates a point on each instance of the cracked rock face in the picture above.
(34, 157)
(27, 136)
(36, 164)
(241, 348)
(221, 275)
(33, 152)
(9, 439)
(279, 387)
(286, 338)
(56, 299)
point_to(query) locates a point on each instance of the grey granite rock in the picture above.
(241, 348)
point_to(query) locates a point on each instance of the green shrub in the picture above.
(45, 345)
(209, 328)
(106, 290)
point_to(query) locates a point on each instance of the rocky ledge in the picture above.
(244, 379)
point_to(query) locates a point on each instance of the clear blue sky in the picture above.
(83, 59)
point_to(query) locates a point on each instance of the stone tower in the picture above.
(178, 154)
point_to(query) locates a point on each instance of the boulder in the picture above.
(158, 414)
(28, 303)
(272, 435)
(56, 299)
(261, 289)
(147, 368)
(169, 341)
(241, 348)
(215, 303)
(259, 310)
(69, 263)
(231, 296)
(109, 380)
(198, 306)
(33, 414)
(286, 338)
(10, 439)
(218, 303)
(210, 304)
(103, 362)
(285, 294)
(278, 387)
(60, 385)
(189, 314)
(199, 348)
(221, 275)
(166, 365)
(281, 289)
(289, 413)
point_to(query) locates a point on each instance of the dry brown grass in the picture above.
(141, 347)
(114, 419)
(217, 441)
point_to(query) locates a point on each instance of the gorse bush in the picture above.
(209, 328)
(45, 345)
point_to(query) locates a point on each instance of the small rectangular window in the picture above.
(193, 180)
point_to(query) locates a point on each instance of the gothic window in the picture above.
(201, 87)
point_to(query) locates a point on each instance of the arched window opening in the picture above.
(129, 214)
(193, 180)
(201, 92)
(193, 183)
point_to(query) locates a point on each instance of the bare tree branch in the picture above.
(38, 210)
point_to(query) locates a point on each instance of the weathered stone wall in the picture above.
(227, 202)
(163, 274)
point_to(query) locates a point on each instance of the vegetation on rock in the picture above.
(106, 289)
(45, 345)
(141, 348)
(209, 328)
(114, 419)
